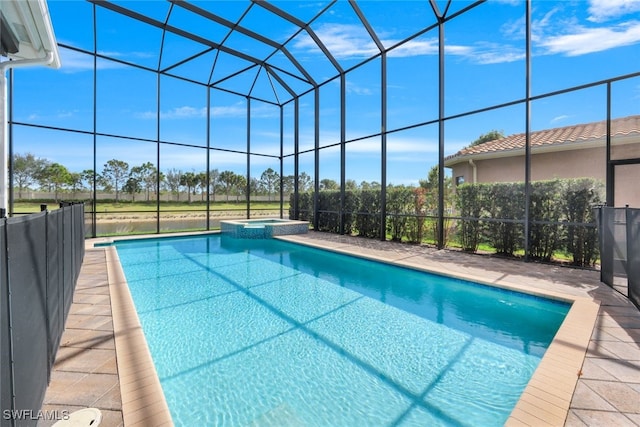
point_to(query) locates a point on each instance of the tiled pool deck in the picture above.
(103, 361)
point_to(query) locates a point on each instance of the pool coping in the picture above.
(143, 402)
(546, 399)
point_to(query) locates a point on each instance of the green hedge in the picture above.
(368, 214)
(329, 207)
(580, 196)
(469, 202)
(505, 203)
(490, 214)
(545, 206)
(493, 213)
(305, 206)
(416, 223)
(400, 202)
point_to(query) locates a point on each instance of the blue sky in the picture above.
(573, 43)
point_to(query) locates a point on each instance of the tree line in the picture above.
(118, 177)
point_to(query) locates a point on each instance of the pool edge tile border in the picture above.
(143, 402)
(560, 367)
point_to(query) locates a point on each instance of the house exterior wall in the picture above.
(464, 171)
(627, 151)
(626, 183)
(581, 163)
(560, 164)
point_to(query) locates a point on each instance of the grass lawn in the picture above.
(150, 207)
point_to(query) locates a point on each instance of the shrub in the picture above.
(545, 209)
(416, 222)
(470, 205)
(329, 211)
(351, 204)
(368, 216)
(580, 196)
(305, 206)
(506, 206)
(399, 206)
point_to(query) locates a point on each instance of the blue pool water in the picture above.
(265, 332)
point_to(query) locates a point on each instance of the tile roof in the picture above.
(558, 136)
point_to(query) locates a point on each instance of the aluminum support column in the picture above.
(316, 154)
(610, 171)
(343, 149)
(248, 187)
(296, 158)
(281, 161)
(441, 106)
(527, 144)
(383, 143)
(208, 173)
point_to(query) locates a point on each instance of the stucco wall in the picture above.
(561, 164)
(626, 183)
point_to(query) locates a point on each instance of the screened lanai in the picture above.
(480, 126)
(170, 116)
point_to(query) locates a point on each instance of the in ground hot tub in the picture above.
(262, 228)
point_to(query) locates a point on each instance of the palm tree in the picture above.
(189, 180)
(227, 179)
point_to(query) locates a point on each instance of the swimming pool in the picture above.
(265, 332)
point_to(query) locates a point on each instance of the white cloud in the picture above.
(413, 48)
(190, 112)
(560, 118)
(588, 40)
(66, 114)
(603, 10)
(396, 145)
(351, 42)
(492, 53)
(73, 62)
(410, 147)
(133, 54)
(342, 41)
(185, 112)
(539, 27)
(356, 89)
(558, 33)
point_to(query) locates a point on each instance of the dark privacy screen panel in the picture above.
(40, 259)
(27, 276)
(620, 249)
(633, 255)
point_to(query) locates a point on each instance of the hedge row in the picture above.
(490, 214)
(493, 213)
